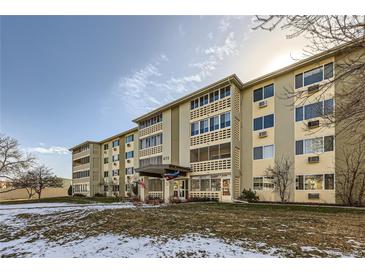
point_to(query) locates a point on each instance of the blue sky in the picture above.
(68, 79)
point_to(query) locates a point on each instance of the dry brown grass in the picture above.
(259, 227)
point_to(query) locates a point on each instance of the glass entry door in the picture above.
(181, 189)
(226, 185)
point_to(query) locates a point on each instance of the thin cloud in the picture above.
(150, 87)
(48, 150)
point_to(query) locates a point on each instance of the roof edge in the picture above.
(232, 77)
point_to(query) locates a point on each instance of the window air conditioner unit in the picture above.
(262, 104)
(128, 145)
(114, 178)
(105, 152)
(312, 89)
(313, 124)
(263, 134)
(128, 161)
(115, 149)
(312, 196)
(313, 159)
(115, 164)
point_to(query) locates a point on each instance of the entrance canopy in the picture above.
(159, 170)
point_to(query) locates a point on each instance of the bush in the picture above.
(153, 200)
(200, 199)
(79, 195)
(69, 191)
(249, 196)
(99, 195)
(175, 200)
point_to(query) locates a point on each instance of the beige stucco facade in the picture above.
(222, 138)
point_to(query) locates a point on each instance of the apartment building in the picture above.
(107, 166)
(221, 139)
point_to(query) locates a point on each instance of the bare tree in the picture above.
(347, 33)
(12, 160)
(43, 177)
(280, 173)
(350, 176)
(24, 181)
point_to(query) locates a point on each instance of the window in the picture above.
(106, 173)
(215, 184)
(258, 94)
(106, 160)
(225, 92)
(314, 76)
(151, 121)
(269, 91)
(129, 138)
(204, 126)
(299, 112)
(263, 122)
(214, 123)
(115, 172)
(106, 146)
(263, 93)
(115, 143)
(328, 107)
(194, 104)
(150, 161)
(328, 143)
(299, 182)
(106, 188)
(205, 184)
(313, 182)
(268, 151)
(299, 80)
(313, 110)
(81, 174)
(264, 152)
(328, 71)
(215, 152)
(155, 185)
(225, 120)
(214, 96)
(129, 154)
(129, 170)
(204, 100)
(329, 181)
(258, 183)
(257, 153)
(203, 154)
(115, 188)
(115, 157)
(151, 141)
(314, 145)
(263, 183)
(195, 184)
(299, 147)
(194, 128)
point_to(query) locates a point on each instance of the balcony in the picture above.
(210, 137)
(211, 166)
(149, 130)
(221, 104)
(150, 151)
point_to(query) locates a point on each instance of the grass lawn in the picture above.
(289, 230)
(66, 199)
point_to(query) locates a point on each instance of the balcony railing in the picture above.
(212, 165)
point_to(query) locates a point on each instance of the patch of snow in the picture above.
(110, 245)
